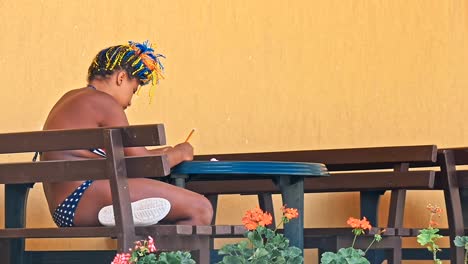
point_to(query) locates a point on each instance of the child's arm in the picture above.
(113, 115)
(177, 154)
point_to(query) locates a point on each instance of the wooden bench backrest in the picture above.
(50, 140)
(114, 167)
(460, 155)
(90, 169)
(460, 158)
(364, 160)
(343, 159)
(360, 169)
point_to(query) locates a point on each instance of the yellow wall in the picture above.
(255, 76)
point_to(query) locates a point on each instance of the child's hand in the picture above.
(185, 149)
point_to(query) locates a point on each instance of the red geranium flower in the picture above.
(256, 217)
(289, 213)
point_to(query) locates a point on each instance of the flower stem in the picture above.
(370, 245)
(430, 220)
(434, 252)
(282, 220)
(354, 240)
(466, 256)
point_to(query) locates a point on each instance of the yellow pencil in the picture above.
(188, 137)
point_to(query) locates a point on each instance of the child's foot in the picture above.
(145, 212)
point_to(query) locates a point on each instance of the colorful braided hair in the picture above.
(137, 59)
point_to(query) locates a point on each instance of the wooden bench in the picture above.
(457, 157)
(18, 178)
(370, 171)
(453, 182)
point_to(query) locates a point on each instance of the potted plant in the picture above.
(263, 245)
(352, 255)
(145, 252)
(462, 241)
(428, 236)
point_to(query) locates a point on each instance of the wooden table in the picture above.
(289, 176)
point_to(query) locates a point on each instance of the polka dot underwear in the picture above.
(65, 212)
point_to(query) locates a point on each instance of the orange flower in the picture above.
(359, 224)
(434, 209)
(256, 217)
(433, 224)
(267, 219)
(353, 222)
(365, 224)
(250, 225)
(290, 213)
(255, 214)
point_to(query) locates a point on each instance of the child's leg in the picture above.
(186, 207)
(149, 211)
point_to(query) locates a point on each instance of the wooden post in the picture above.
(117, 174)
(292, 192)
(453, 204)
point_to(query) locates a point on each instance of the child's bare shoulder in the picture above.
(87, 102)
(93, 99)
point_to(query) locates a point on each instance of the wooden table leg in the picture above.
(369, 208)
(292, 192)
(179, 179)
(15, 217)
(265, 200)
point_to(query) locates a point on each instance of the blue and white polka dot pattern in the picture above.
(65, 212)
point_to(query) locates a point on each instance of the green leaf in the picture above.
(346, 251)
(228, 249)
(173, 257)
(461, 241)
(428, 236)
(263, 260)
(261, 230)
(344, 256)
(232, 260)
(328, 258)
(295, 260)
(260, 252)
(377, 237)
(269, 234)
(147, 259)
(292, 252)
(357, 260)
(255, 239)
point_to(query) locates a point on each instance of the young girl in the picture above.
(115, 74)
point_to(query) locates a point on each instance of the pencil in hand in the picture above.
(190, 135)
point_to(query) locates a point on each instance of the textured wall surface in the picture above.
(254, 76)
